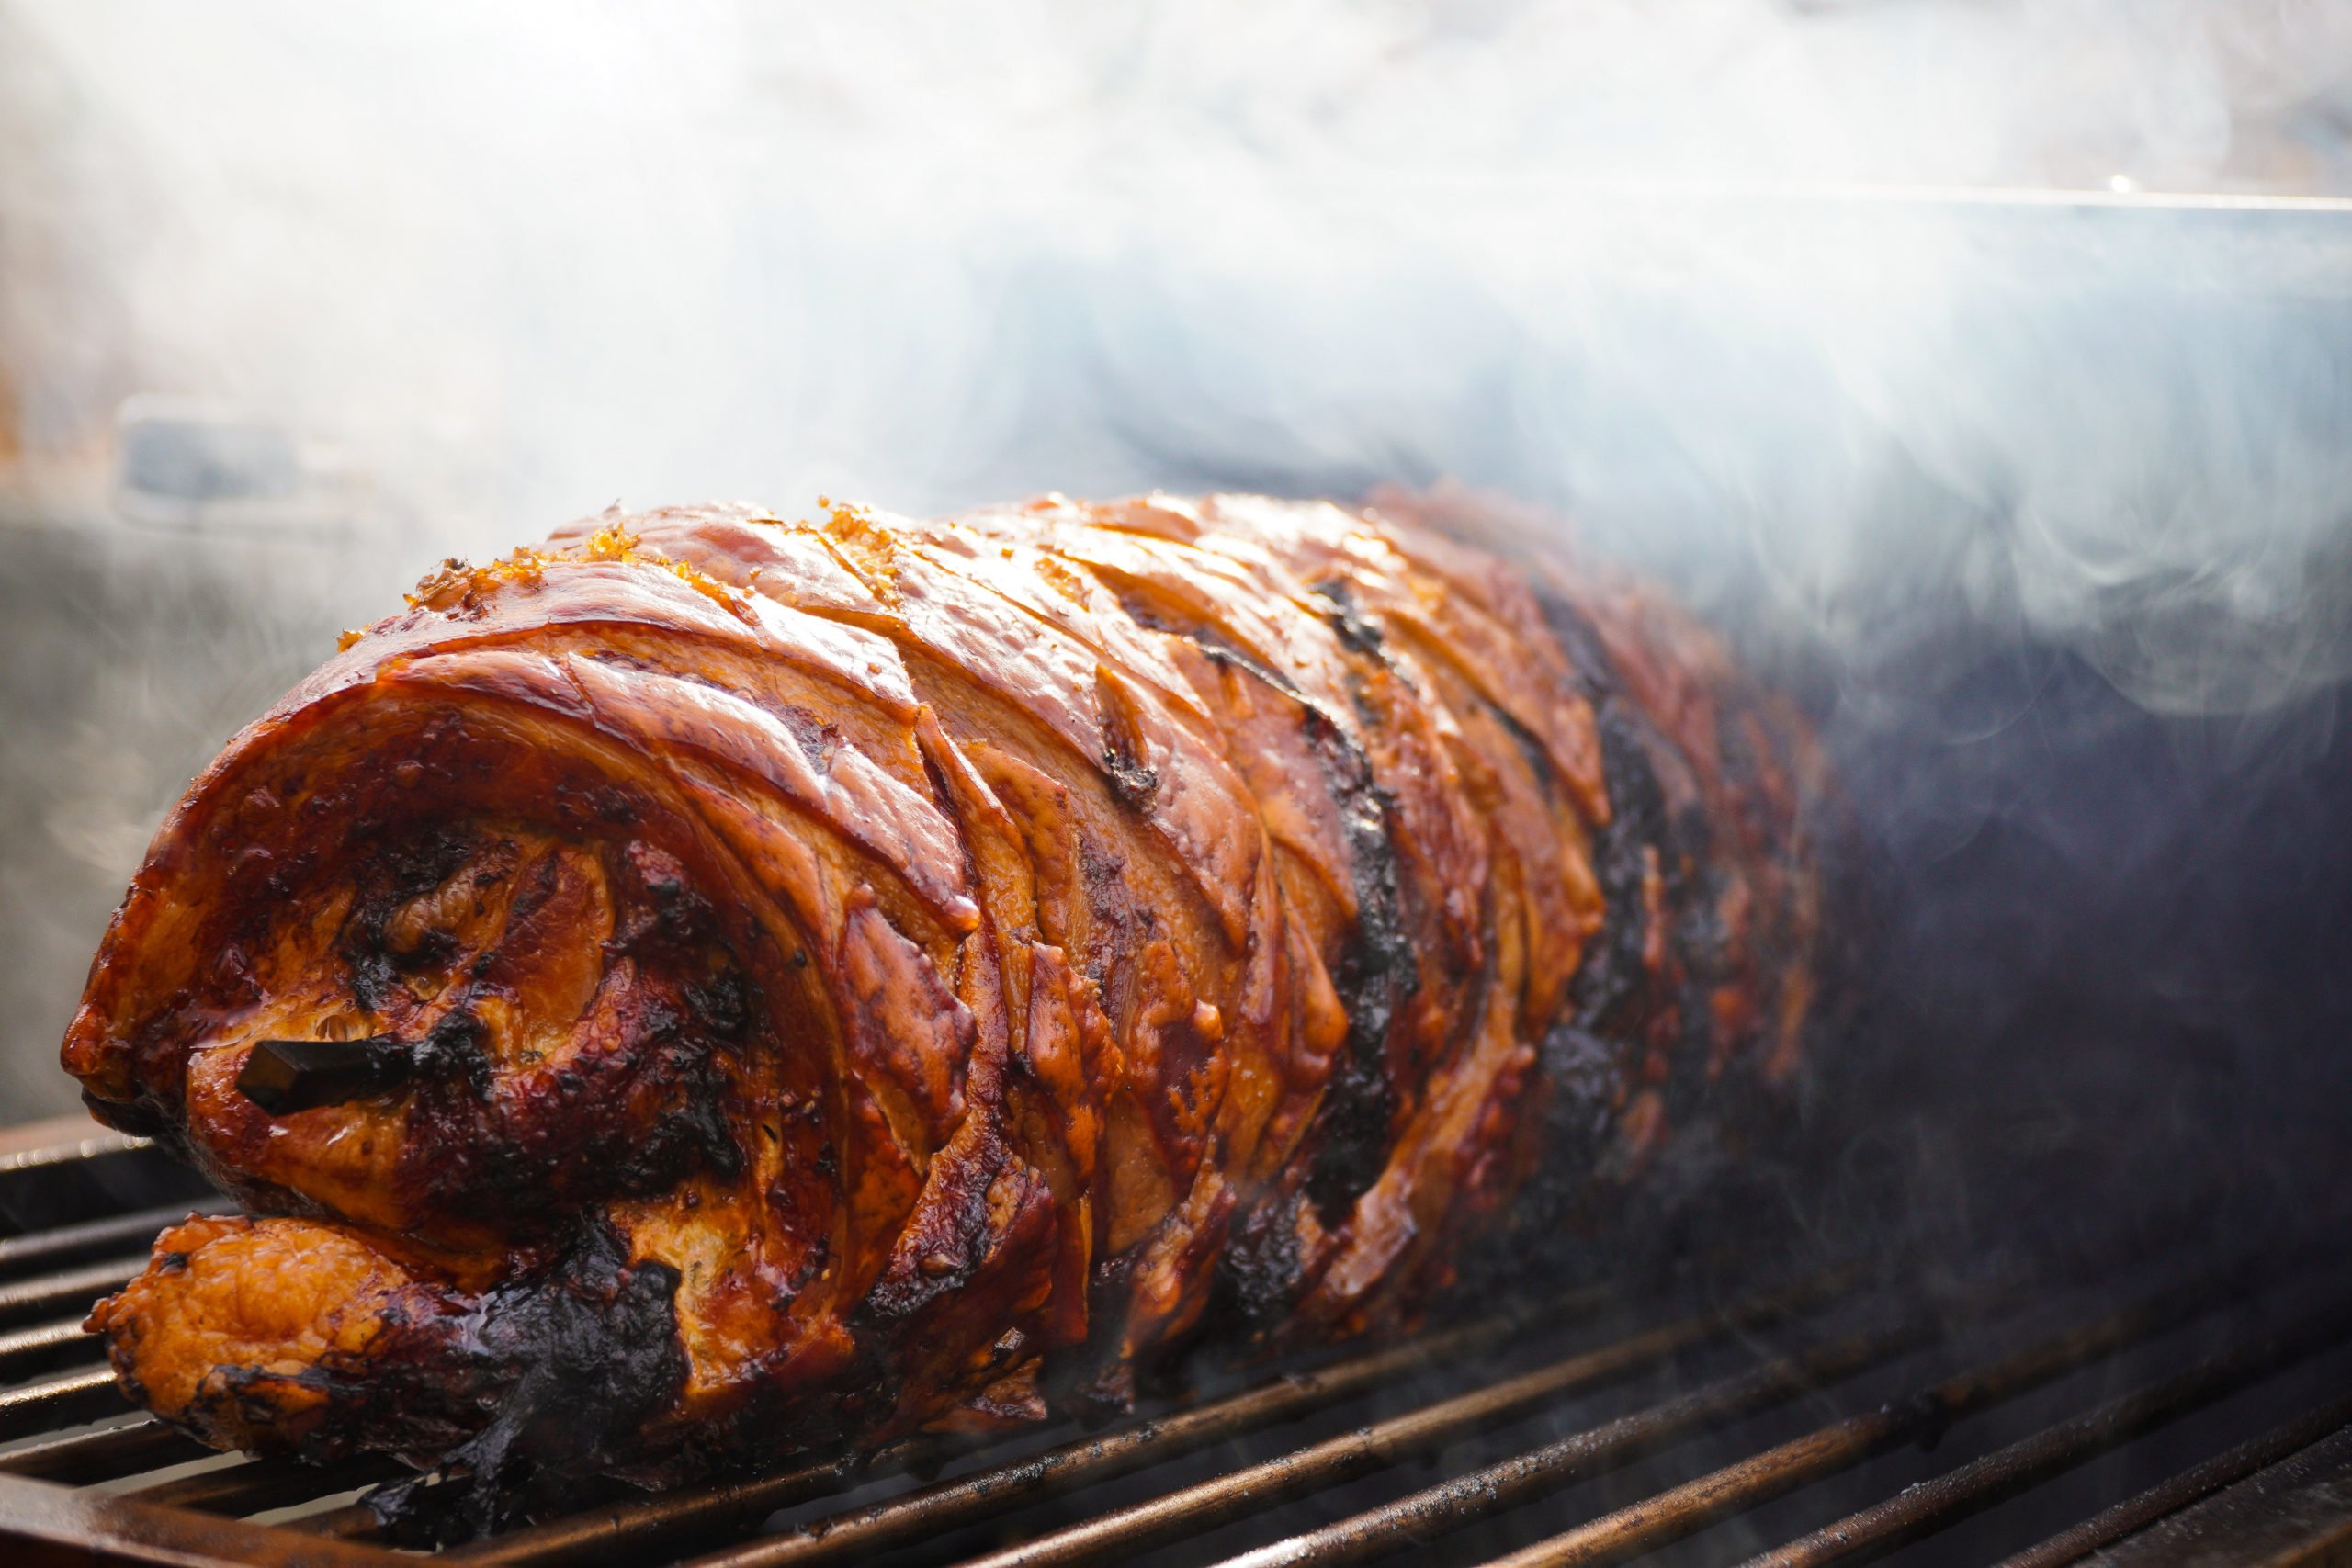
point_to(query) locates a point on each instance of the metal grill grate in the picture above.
(2164, 1420)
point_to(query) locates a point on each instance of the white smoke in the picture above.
(522, 259)
(490, 267)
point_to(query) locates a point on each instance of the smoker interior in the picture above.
(2061, 1282)
(2193, 1406)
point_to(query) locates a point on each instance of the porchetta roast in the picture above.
(711, 984)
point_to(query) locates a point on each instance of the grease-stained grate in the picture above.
(1808, 1425)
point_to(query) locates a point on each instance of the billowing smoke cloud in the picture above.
(1655, 268)
(523, 261)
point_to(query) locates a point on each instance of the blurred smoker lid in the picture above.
(204, 464)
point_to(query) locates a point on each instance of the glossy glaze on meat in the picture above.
(866, 975)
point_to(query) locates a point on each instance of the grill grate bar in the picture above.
(21, 1255)
(68, 1140)
(62, 1401)
(1956, 1493)
(49, 1524)
(87, 1457)
(29, 1352)
(659, 1521)
(46, 1275)
(1072, 1465)
(72, 1290)
(2198, 1482)
(1412, 1520)
(1377, 1446)
(261, 1485)
(353, 1521)
(1671, 1515)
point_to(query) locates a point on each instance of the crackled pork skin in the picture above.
(862, 975)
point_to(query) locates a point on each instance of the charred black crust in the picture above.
(453, 1051)
(1100, 1382)
(404, 866)
(1611, 985)
(492, 1153)
(1583, 1079)
(1132, 784)
(1374, 977)
(579, 1132)
(1583, 1058)
(1611, 981)
(1259, 1270)
(575, 1363)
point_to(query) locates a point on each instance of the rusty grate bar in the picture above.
(1067, 1468)
(70, 1292)
(47, 1279)
(70, 1139)
(952, 1505)
(261, 1485)
(21, 1255)
(50, 1523)
(1412, 1520)
(29, 1352)
(2200, 1480)
(1684, 1509)
(117, 1451)
(1955, 1495)
(62, 1401)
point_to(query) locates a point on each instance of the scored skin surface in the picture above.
(875, 973)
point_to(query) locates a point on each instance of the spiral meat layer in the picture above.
(823, 979)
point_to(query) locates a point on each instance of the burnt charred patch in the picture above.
(1374, 977)
(1100, 1382)
(1595, 674)
(1132, 784)
(1356, 630)
(723, 1005)
(403, 868)
(1581, 1078)
(574, 1362)
(1612, 977)
(139, 1118)
(455, 1052)
(1375, 974)
(1560, 1209)
(1259, 1271)
(627, 1116)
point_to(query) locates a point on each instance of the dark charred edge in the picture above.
(1611, 981)
(140, 1118)
(1375, 975)
(900, 1295)
(509, 1180)
(1100, 1382)
(1583, 1058)
(1132, 783)
(578, 1362)
(1356, 630)
(1720, 1170)
(1561, 1215)
(679, 1045)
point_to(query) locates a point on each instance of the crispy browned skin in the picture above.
(875, 973)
